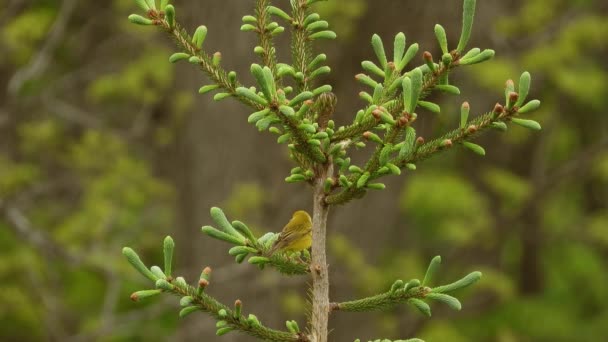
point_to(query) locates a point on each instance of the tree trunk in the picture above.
(320, 275)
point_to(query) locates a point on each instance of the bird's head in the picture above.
(301, 216)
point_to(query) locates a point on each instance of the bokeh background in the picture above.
(103, 144)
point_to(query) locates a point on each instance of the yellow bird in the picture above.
(296, 235)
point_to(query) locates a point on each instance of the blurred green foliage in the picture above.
(91, 189)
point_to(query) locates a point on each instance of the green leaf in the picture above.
(376, 186)
(421, 306)
(136, 262)
(258, 260)
(255, 117)
(318, 25)
(471, 53)
(295, 178)
(216, 234)
(485, 55)
(368, 81)
(278, 12)
(220, 219)
(137, 296)
(464, 114)
(362, 180)
(223, 331)
(139, 20)
(397, 285)
(247, 93)
(442, 38)
(398, 47)
(469, 279)
(199, 36)
(410, 141)
(450, 89)
(474, 147)
(393, 168)
(207, 88)
(323, 35)
(431, 270)
(249, 19)
(164, 285)
(301, 97)
(143, 5)
(468, 14)
(372, 68)
(188, 310)
(379, 50)
(406, 84)
(186, 301)
(258, 73)
(447, 299)
(433, 107)
(317, 60)
(322, 89)
(530, 124)
(324, 70)
(158, 272)
(170, 15)
(287, 111)
(529, 107)
(221, 96)
(178, 56)
(168, 248)
(524, 88)
(236, 250)
(499, 125)
(411, 284)
(409, 55)
(244, 230)
(416, 89)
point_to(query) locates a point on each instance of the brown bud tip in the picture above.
(466, 105)
(134, 297)
(203, 282)
(403, 121)
(419, 140)
(472, 129)
(427, 56)
(217, 54)
(358, 76)
(446, 143)
(510, 84)
(238, 302)
(376, 113)
(207, 270)
(391, 65)
(498, 108)
(513, 96)
(309, 102)
(367, 134)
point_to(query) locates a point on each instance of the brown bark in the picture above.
(320, 275)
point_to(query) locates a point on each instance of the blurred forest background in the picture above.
(104, 144)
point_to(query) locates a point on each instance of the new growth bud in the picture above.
(376, 113)
(498, 110)
(513, 96)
